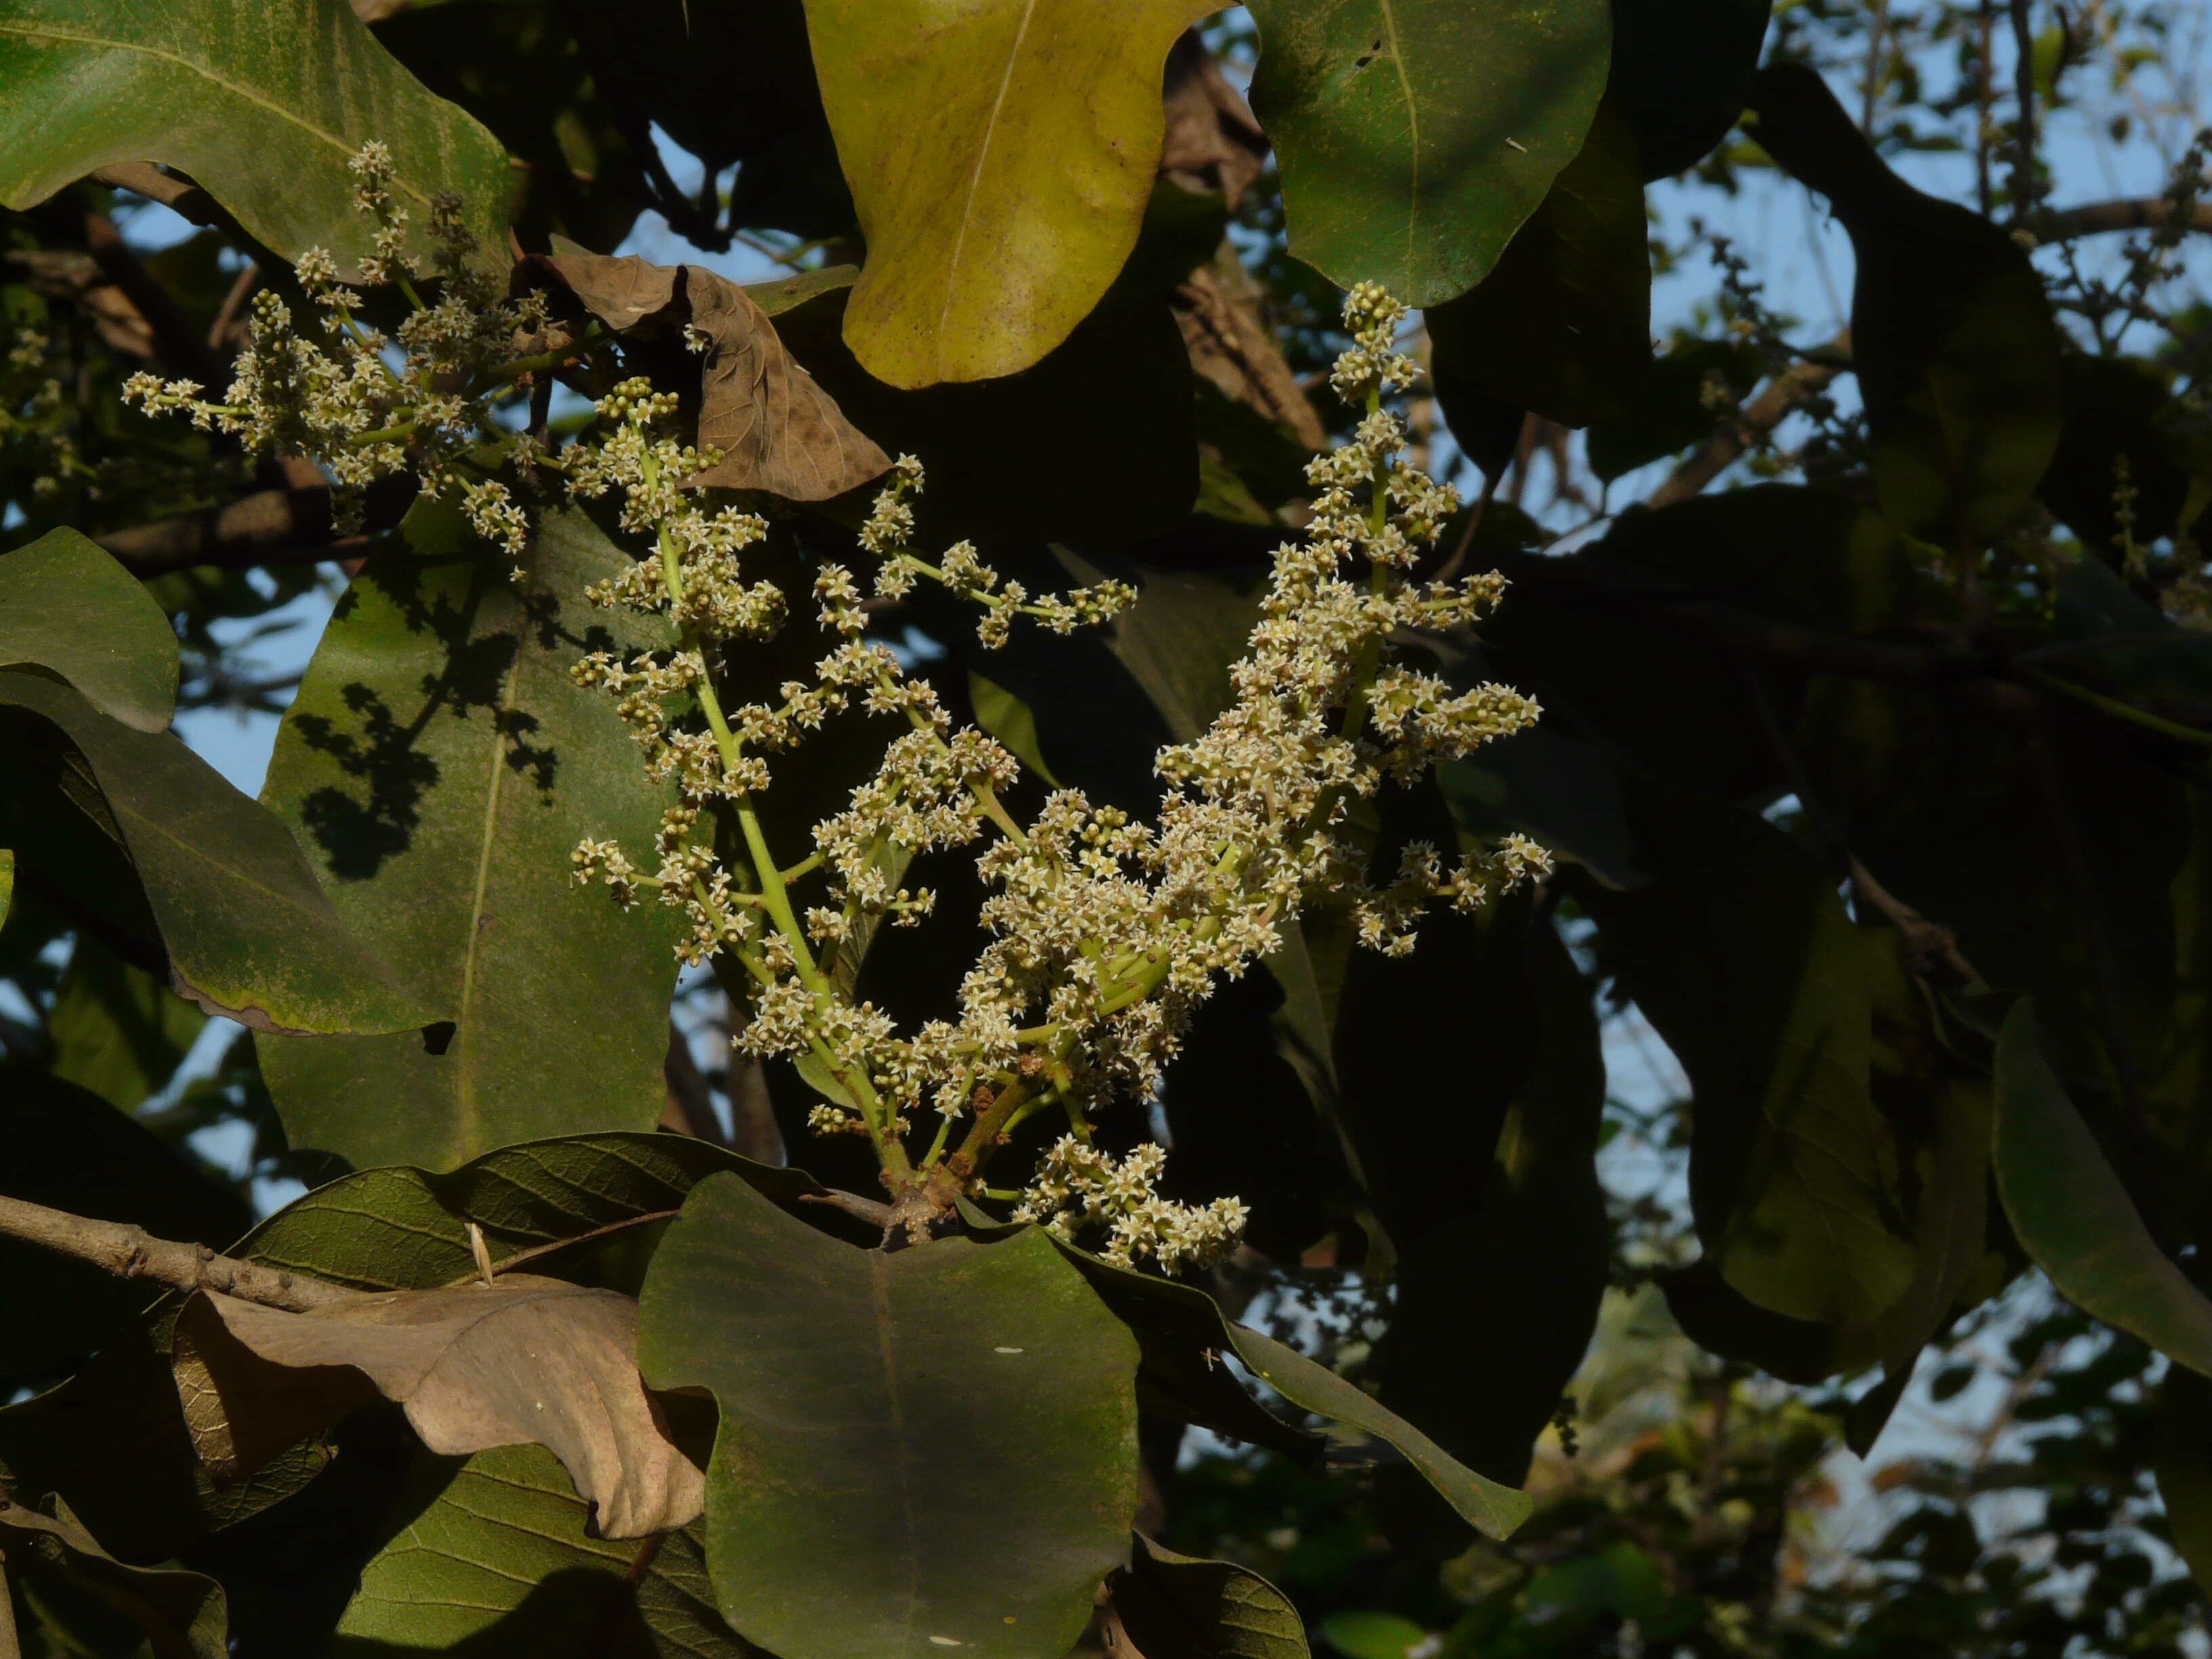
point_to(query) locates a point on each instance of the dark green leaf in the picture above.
(400, 1229)
(249, 932)
(1091, 445)
(917, 1449)
(1562, 324)
(1522, 1270)
(1415, 135)
(1952, 338)
(517, 69)
(2120, 413)
(1367, 1635)
(495, 1553)
(1680, 72)
(1665, 409)
(1176, 1606)
(264, 115)
(2073, 1216)
(2181, 1461)
(182, 1614)
(441, 765)
(67, 606)
(1742, 956)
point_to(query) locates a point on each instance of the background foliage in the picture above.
(1801, 1196)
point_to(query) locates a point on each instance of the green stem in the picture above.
(2115, 708)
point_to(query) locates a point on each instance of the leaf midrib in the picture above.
(465, 1093)
(42, 31)
(982, 159)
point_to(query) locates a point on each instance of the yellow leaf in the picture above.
(999, 153)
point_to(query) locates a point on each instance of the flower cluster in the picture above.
(350, 405)
(1103, 932)
(1078, 1188)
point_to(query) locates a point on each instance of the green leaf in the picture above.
(263, 110)
(1000, 155)
(249, 933)
(1679, 74)
(1562, 324)
(2181, 1461)
(1177, 1607)
(496, 1553)
(71, 1151)
(1415, 135)
(182, 1614)
(116, 1029)
(402, 1229)
(441, 766)
(2074, 1218)
(1522, 1269)
(67, 606)
(1952, 337)
(1363, 1635)
(2121, 410)
(1741, 955)
(918, 1449)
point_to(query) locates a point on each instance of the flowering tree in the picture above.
(1014, 678)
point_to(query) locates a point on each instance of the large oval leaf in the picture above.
(1415, 135)
(1000, 153)
(920, 1451)
(249, 933)
(262, 104)
(66, 604)
(440, 766)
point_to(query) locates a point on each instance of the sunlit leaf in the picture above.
(918, 1449)
(1177, 1607)
(1000, 154)
(262, 106)
(440, 766)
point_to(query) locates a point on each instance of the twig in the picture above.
(2023, 80)
(219, 331)
(866, 1209)
(130, 1252)
(1784, 395)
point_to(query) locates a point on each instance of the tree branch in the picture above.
(291, 525)
(130, 1252)
(1784, 395)
(2132, 213)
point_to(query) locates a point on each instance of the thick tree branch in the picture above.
(178, 346)
(130, 1252)
(2135, 213)
(290, 526)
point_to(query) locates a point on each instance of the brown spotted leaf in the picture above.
(528, 1360)
(777, 430)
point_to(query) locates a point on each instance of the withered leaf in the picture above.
(777, 430)
(526, 1359)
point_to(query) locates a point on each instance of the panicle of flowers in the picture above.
(363, 404)
(961, 570)
(1077, 1187)
(1103, 932)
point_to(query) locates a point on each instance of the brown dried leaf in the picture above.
(528, 1360)
(778, 431)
